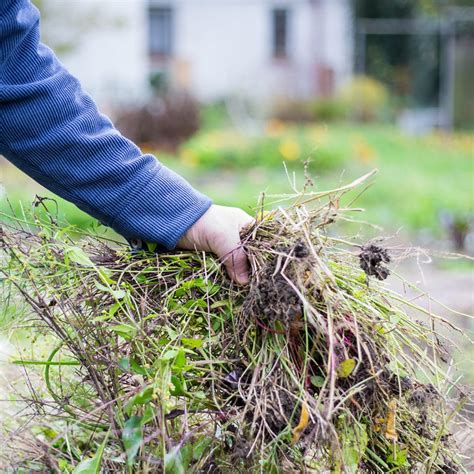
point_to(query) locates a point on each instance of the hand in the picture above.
(218, 231)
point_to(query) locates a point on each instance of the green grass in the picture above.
(418, 177)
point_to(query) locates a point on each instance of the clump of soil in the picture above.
(273, 298)
(371, 259)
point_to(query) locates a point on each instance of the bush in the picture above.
(164, 123)
(328, 109)
(290, 110)
(281, 143)
(365, 99)
(313, 110)
(214, 115)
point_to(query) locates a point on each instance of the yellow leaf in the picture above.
(304, 420)
(345, 368)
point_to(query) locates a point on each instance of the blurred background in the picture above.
(230, 92)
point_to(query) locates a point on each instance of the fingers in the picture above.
(235, 259)
(237, 266)
(218, 231)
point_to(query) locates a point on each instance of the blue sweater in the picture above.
(51, 129)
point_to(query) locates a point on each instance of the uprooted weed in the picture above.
(158, 363)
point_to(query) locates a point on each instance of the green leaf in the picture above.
(124, 364)
(92, 465)
(172, 334)
(170, 354)
(354, 444)
(77, 255)
(136, 368)
(141, 398)
(345, 368)
(132, 438)
(398, 458)
(114, 308)
(117, 294)
(397, 368)
(174, 461)
(394, 318)
(194, 343)
(148, 415)
(219, 304)
(179, 384)
(200, 447)
(180, 360)
(317, 380)
(125, 330)
(152, 246)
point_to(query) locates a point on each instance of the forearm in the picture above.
(53, 131)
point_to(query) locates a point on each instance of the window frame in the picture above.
(167, 16)
(280, 51)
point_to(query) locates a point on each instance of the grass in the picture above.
(419, 178)
(160, 363)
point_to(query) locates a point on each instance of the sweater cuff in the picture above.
(162, 211)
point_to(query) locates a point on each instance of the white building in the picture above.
(213, 48)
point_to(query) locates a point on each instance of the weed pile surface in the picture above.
(158, 363)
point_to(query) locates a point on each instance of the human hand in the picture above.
(218, 231)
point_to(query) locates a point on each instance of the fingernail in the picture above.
(242, 278)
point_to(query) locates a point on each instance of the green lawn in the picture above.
(418, 178)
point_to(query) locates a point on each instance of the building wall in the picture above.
(221, 47)
(224, 46)
(108, 45)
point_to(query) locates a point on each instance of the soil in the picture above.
(273, 297)
(371, 259)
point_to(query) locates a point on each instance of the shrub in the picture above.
(311, 110)
(164, 123)
(328, 109)
(365, 99)
(231, 149)
(292, 110)
(214, 115)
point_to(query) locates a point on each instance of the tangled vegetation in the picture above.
(158, 363)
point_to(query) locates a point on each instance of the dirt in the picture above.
(371, 259)
(273, 296)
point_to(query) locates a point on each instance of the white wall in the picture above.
(225, 45)
(338, 47)
(110, 55)
(221, 47)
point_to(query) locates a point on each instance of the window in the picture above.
(161, 31)
(280, 21)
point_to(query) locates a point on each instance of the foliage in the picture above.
(229, 149)
(415, 184)
(365, 99)
(166, 122)
(292, 110)
(328, 109)
(214, 115)
(158, 363)
(314, 110)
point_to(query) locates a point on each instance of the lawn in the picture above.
(419, 179)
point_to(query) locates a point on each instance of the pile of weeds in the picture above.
(158, 363)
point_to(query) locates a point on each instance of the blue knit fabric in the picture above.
(51, 129)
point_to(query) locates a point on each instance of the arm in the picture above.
(51, 129)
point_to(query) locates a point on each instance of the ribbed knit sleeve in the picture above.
(51, 129)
